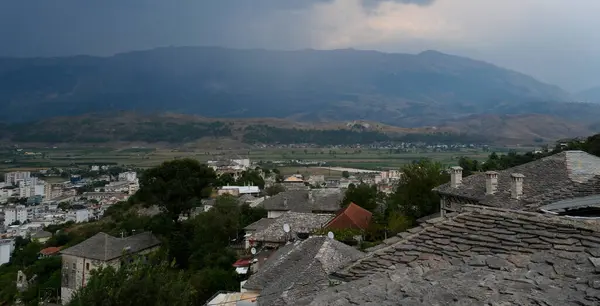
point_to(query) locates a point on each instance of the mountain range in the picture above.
(308, 85)
(590, 95)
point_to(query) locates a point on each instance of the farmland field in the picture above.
(144, 157)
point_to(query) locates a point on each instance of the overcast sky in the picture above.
(557, 41)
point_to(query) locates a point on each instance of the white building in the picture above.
(31, 187)
(130, 176)
(7, 246)
(13, 178)
(82, 215)
(120, 186)
(238, 190)
(15, 213)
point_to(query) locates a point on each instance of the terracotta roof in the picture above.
(242, 263)
(50, 251)
(293, 179)
(353, 216)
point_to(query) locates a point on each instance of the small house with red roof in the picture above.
(50, 251)
(351, 217)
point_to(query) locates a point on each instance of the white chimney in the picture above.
(455, 176)
(491, 182)
(516, 185)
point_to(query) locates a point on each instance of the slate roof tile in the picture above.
(557, 177)
(272, 231)
(105, 247)
(321, 200)
(462, 260)
(300, 269)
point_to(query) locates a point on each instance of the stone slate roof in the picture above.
(300, 269)
(483, 256)
(322, 200)
(561, 176)
(298, 222)
(105, 247)
(259, 225)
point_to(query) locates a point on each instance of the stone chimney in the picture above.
(455, 176)
(516, 185)
(491, 182)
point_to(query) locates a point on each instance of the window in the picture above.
(74, 266)
(87, 266)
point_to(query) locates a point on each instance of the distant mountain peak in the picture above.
(432, 53)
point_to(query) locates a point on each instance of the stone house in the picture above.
(101, 250)
(566, 175)
(480, 256)
(307, 201)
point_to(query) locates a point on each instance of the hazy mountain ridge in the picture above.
(591, 95)
(399, 89)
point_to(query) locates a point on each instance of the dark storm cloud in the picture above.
(61, 27)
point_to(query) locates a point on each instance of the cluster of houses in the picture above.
(528, 235)
(55, 203)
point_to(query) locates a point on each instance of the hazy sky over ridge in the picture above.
(554, 40)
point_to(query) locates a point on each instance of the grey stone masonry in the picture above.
(482, 256)
(565, 175)
(480, 231)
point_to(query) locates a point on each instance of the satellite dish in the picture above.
(286, 228)
(253, 251)
(330, 235)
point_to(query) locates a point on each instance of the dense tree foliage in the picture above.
(175, 186)
(363, 195)
(147, 131)
(137, 283)
(413, 197)
(269, 134)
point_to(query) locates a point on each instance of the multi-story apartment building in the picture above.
(13, 178)
(15, 213)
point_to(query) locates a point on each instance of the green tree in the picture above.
(251, 177)
(469, 165)
(363, 195)
(414, 197)
(175, 186)
(137, 283)
(226, 179)
(210, 280)
(345, 174)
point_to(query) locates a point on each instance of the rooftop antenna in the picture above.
(253, 251)
(330, 235)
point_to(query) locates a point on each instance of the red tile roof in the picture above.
(50, 250)
(353, 216)
(242, 263)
